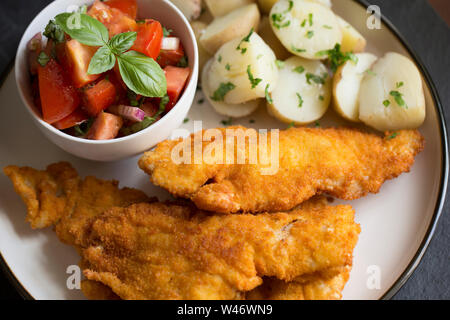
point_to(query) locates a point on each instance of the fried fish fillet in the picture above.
(174, 251)
(344, 163)
(189, 254)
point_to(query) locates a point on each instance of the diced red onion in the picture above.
(36, 42)
(128, 113)
(170, 43)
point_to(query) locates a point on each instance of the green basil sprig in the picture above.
(140, 73)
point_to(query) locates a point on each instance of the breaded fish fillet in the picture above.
(344, 163)
(188, 254)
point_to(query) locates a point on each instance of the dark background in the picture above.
(428, 35)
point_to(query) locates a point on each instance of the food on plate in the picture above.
(266, 33)
(305, 28)
(199, 28)
(392, 96)
(236, 24)
(219, 8)
(302, 162)
(266, 5)
(303, 92)
(190, 8)
(243, 69)
(307, 246)
(347, 83)
(223, 108)
(113, 64)
(352, 40)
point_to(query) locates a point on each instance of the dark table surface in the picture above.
(428, 35)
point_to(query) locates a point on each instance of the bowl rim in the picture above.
(191, 85)
(415, 261)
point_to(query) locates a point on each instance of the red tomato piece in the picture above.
(99, 97)
(76, 118)
(176, 81)
(129, 7)
(106, 126)
(115, 20)
(59, 98)
(149, 38)
(170, 57)
(78, 58)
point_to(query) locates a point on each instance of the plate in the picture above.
(397, 223)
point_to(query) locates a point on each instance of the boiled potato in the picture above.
(190, 8)
(249, 64)
(392, 97)
(266, 33)
(266, 5)
(346, 84)
(219, 8)
(236, 24)
(203, 55)
(305, 28)
(229, 110)
(303, 92)
(352, 40)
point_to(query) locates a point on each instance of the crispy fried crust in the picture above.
(190, 255)
(344, 163)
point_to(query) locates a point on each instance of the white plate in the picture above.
(397, 223)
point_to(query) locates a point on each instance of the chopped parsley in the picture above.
(327, 26)
(386, 103)
(278, 18)
(227, 122)
(315, 78)
(224, 88)
(54, 32)
(297, 49)
(310, 34)
(254, 82)
(392, 136)
(321, 98)
(300, 100)
(186, 120)
(337, 57)
(227, 66)
(303, 23)
(398, 98)
(299, 69)
(310, 19)
(166, 32)
(291, 125)
(280, 64)
(219, 58)
(371, 73)
(245, 39)
(399, 84)
(268, 96)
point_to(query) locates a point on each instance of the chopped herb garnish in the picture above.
(278, 18)
(254, 82)
(186, 120)
(386, 103)
(291, 125)
(317, 124)
(371, 73)
(310, 19)
(327, 26)
(83, 128)
(228, 122)
(398, 98)
(228, 67)
(223, 89)
(399, 84)
(251, 121)
(201, 101)
(300, 100)
(166, 32)
(303, 23)
(53, 31)
(162, 105)
(280, 64)
(245, 39)
(134, 101)
(259, 56)
(219, 58)
(316, 79)
(268, 96)
(310, 34)
(139, 126)
(392, 136)
(337, 57)
(297, 49)
(321, 98)
(43, 59)
(183, 63)
(299, 69)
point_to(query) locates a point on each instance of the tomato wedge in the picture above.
(170, 57)
(106, 126)
(176, 81)
(99, 97)
(129, 7)
(79, 57)
(115, 20)
(59, 97)
(149, 38)
(76, 118)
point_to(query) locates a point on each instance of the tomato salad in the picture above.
(104, 74)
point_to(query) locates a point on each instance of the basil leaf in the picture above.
(122, 42)
(102, 61)
(142, 74)
(83, 28)
(54, 32)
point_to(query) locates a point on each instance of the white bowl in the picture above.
(111, 150)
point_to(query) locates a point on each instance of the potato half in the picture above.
(305, 28)
(391, 96)
(236, 24)
(303, 92)
(347, 83)
(203, 55)
(266, 5)
(249, 64)
(229, 110)
(219, 8)
(266, 33)
(352, 40)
